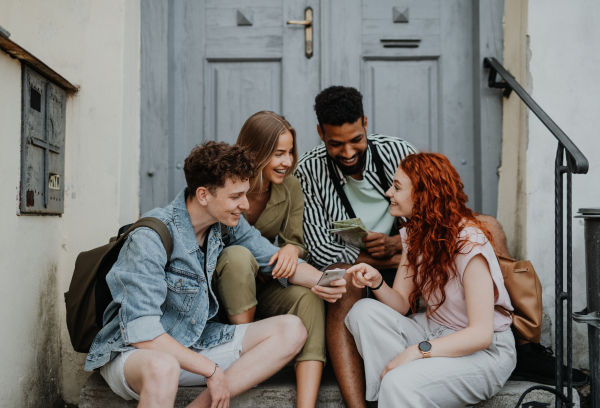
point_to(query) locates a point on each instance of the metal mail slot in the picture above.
(42, 144)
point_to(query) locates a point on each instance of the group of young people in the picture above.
(251, 236)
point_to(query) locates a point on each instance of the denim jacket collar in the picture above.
(182, 221)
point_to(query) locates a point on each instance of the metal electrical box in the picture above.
(42, 145)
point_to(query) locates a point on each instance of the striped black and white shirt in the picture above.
(322, 205)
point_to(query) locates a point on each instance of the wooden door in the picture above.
(208, 65)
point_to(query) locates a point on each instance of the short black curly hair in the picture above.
(212, 163)
(337, 105)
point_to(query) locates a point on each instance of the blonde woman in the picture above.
(276, 209)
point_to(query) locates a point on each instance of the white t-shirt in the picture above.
(453, 312)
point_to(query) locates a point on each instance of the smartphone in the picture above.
(330, 276)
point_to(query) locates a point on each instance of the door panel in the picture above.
(402, 98)
(236, 90)
(417, 76)
(417, 63)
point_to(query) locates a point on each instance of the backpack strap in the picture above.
(155, 224)
(224, 235)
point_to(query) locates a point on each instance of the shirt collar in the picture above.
(277, 194)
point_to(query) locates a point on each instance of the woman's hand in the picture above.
(365, 275)
(412, 353)
(287, 260)
(219, 392)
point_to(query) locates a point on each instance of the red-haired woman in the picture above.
(459, 350)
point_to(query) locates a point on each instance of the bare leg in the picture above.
(308, 381)
(154, 375)
(268, 345)
(347, 363)
(244, 317)
(498, 234)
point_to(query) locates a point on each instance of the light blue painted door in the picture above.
(417, 63)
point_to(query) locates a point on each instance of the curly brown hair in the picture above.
(212, 163)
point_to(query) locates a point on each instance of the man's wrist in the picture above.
(214, 371)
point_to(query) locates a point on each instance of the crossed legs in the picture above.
(267, 346)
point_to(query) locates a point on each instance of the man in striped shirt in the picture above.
(344, 178)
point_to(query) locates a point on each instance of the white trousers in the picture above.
(381, 334)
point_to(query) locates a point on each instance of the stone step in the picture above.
(280, 392)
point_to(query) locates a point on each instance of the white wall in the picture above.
(94, 45)
(564, 39)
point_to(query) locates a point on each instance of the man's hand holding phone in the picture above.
(331, 286)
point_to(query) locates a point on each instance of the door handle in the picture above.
(308, 30)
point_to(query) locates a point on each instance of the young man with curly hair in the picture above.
(165, 334)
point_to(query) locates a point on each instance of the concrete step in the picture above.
(280, 392)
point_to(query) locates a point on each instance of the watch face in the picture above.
(424, 346)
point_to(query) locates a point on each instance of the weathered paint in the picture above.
(94, 45)
(563, 67)
(547, 49)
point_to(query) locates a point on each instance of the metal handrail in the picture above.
(575, 163)
(579, 162)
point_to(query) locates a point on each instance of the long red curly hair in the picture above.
(439, 214)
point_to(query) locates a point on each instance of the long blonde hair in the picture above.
(260, 135)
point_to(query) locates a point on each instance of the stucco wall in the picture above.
(563, 70)
(95, 45)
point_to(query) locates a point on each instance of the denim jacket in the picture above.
(178, 300)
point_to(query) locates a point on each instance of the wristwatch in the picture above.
(425, 349)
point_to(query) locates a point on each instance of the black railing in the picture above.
(569, 161)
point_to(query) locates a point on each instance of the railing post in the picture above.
(558, 269)
(559, 277)
(575, 163)
(591, 315)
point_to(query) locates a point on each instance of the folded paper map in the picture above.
(352, 231)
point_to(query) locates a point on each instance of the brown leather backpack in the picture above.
(525, 291)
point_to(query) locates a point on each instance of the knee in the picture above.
(162, 370)
(236, 265)
(293, 333)
(362, 312)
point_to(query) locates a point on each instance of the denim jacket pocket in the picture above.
(181, 291)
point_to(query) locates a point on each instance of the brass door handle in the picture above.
(300, 22)
(308, 30)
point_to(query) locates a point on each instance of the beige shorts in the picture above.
(224, 354)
